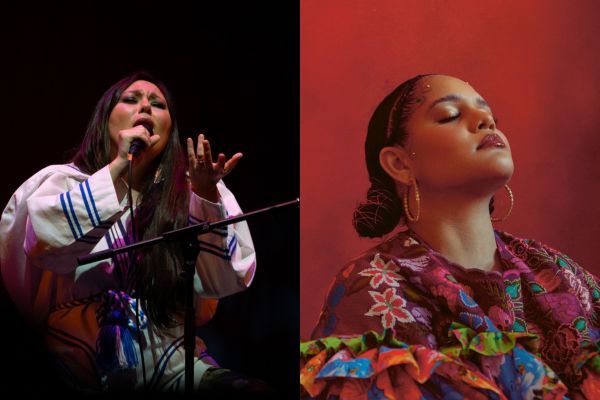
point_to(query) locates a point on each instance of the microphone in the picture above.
(138, 144)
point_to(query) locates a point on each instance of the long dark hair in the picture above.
(164, 204)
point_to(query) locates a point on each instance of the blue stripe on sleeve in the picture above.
(124, 234)
(64, 207)
(73, 214)
(232, 245)
(198, 220)
(87, 206)
(121, 232)
(212, 246)
(219, 231)
(161, 365)
(114, 259)
(195, 219)
(214, 252)
(87, 185)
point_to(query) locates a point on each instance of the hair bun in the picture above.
(379, 214)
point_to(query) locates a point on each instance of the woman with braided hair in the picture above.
(449, 306)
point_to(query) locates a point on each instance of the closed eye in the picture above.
(449, 119)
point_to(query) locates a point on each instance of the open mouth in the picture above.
(146, 123)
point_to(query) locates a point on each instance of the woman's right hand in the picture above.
(125, 138)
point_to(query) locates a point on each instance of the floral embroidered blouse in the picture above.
(401, 321)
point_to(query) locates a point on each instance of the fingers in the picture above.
(203, 152)
(139, 132)
(190, 151)
(207, 153)
(200, 147)
(204, 157)
(154, 139)
(229, 165)
(221, 159)
(127, 136)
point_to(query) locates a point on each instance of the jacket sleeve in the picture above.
(67, 217)
(226, 261)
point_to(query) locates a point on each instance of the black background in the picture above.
(234, 74)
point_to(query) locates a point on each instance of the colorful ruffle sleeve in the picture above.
(383, 367)
(397, 324)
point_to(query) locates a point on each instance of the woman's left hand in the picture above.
(204, 173)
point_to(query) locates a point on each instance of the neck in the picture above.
(458, 226)
(141, 169)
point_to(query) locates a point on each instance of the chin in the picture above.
(505, 167)
(491, 176)
(500, 164)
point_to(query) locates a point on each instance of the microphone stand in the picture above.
(188, 236)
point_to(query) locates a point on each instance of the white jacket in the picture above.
(61, 213)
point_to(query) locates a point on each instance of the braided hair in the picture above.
(383, 209)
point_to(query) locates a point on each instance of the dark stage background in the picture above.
(234, 74)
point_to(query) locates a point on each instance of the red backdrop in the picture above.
(537, 65)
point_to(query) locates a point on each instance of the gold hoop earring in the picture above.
(412, 218)
(512, 203)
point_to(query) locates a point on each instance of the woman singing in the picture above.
(116, 324)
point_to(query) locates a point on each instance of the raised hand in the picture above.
(204, 173)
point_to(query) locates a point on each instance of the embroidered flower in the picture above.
(501, 318)
(415, 264)
(548, 279)
(577, 288)
(447, 294)
(519, 249)
(422, 315)
(391, 307)
(560, 346)
(563, 306)
(382, 272)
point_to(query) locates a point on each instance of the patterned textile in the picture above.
(403, 322)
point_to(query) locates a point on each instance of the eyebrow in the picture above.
(454, 97)
(139, 92)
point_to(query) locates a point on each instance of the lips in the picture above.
(491, 140)
(145, 122)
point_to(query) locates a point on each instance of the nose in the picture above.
(145, 106)
(484, 121)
